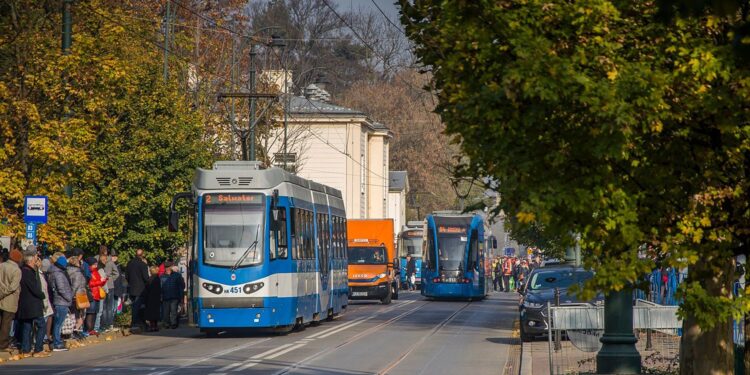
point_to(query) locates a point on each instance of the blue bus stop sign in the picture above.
(35, 209)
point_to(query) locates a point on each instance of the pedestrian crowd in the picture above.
(46, 300)
(510, 273)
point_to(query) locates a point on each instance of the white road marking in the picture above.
(210, 356)
(229, 366)
(287, 350)
(269, 354)
(274, 350)
(248, 364)
(317, 335)
(343, 328)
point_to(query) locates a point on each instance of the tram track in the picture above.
(352, 339)
(422, 340)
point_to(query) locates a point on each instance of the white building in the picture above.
(339, 147)
(398, 187)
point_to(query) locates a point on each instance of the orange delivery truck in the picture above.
(372, 260)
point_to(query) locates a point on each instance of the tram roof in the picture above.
(252, 175)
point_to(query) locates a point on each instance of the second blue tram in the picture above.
(453, 261)
(268, 249)
(410, 243)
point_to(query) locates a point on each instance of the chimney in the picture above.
(313, 92)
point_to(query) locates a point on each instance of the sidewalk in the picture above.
(72, 344)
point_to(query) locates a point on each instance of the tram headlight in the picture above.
(213, 288)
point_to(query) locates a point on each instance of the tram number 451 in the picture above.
(233, 290)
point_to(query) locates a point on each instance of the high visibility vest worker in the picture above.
(508, 267)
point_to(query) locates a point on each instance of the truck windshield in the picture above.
(367, 255)
(232, 224)
(451, 249)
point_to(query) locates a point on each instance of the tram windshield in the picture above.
(233, 229)
(451, 249)
(411, 246)
(367, 255)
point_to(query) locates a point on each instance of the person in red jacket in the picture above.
(98, 293)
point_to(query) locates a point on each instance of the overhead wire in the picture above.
(387, 18)
(156, 44)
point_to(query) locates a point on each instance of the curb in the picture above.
(72, 344)
(526, 363)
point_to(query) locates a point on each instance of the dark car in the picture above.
(541, 289)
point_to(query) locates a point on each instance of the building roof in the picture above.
(398, 181)
(303, 105)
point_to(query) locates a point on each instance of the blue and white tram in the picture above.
(453, 262)
(268, 249)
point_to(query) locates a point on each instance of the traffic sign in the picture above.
(31, 232)
(35, 209)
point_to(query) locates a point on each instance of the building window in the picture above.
(290, 158)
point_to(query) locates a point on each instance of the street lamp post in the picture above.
(618, 354)
(248, 150)
(252, 102)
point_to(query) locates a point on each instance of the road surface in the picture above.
(410, 336)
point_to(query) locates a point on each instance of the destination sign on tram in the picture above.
(232, 198)
(451, 230)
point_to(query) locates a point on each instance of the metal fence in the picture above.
(575, 330)
(662, 287)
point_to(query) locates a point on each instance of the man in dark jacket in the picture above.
(136, 273)
(31, 309)
(172, 289)
(62, 298)
(411, 271)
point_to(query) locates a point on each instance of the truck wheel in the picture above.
(387, 299)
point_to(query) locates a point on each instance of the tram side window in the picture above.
(308, 235)
(474, 249)
(429, 256)
(297, 234)
(281, 228)
(343, 237)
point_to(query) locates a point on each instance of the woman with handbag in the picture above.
(98, 293)
(81, 300)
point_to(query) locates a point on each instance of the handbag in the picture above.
(102, 293)
(69, 324)
(82, 301)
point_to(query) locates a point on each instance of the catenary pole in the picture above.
(67, 40)
(251, 123)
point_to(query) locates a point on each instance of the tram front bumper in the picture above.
(279, 314)
(379, 291)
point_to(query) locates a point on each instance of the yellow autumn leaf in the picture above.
(525, 217)
(612, 74)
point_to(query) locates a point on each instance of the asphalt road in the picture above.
(410, 336)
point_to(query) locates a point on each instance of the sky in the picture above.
(388, 6)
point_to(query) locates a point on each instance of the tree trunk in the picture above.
(708, 351)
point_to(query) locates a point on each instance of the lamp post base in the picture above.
(618, 354)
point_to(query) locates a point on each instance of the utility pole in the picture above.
(286, 112)
(167, 16)
(67, 40)
(252, 102)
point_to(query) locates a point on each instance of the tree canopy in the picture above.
(602, 119)
(101, 120)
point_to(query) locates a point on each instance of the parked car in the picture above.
(540, 289)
